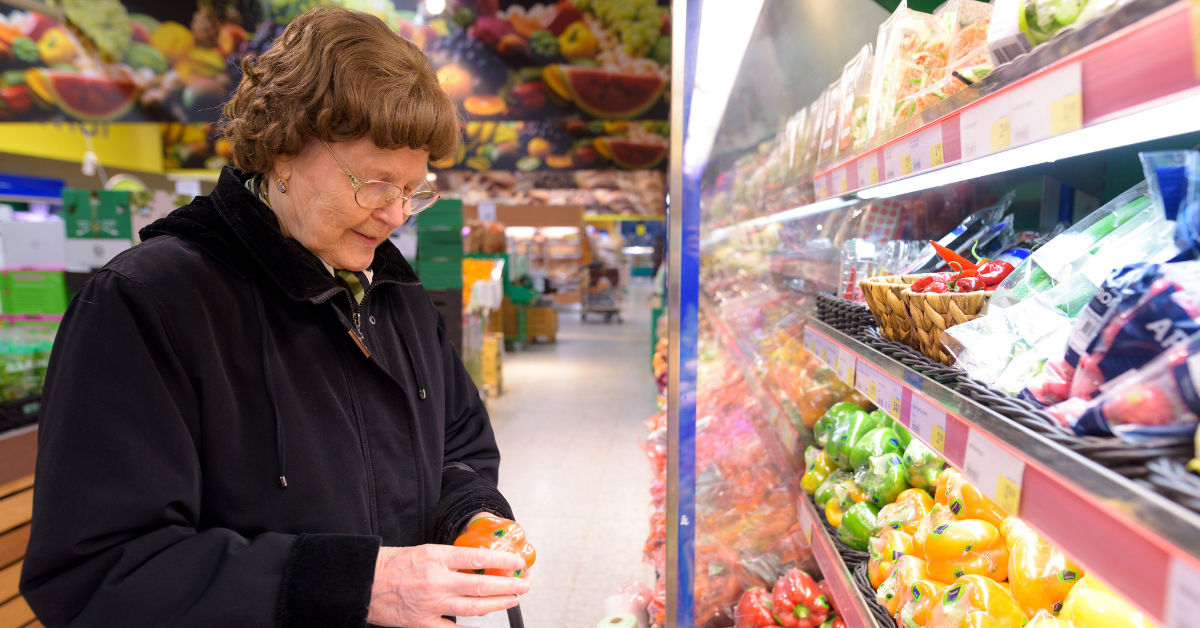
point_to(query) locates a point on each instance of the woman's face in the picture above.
(319, 211)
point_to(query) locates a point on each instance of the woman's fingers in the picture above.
(528, 575)
(478, 606)
(472, 585)
(476, 558)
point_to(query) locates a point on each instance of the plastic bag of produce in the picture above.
(856, 100)
(1159, 400)
(975, 230)
(912, 51)
(832, 97)
(1019, 25)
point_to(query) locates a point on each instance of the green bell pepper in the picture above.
(878, 442)
(846, 433)
(857, 524)
(921, 466)
(826, 490)
(882, 479)
(824, 425)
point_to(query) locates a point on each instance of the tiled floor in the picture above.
(569, 425)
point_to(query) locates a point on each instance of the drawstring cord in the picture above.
(280, 443)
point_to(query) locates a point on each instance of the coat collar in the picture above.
(230, 225)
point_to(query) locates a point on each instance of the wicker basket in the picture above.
(931, 313)
(883, 297)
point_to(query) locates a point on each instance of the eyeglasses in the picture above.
(377, 194)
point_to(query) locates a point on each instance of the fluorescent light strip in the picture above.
(1167, 120)
(786, 215)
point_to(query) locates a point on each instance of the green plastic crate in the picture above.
(440, 275)
(431, 250)
(440, 238)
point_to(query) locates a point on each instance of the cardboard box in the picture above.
(541, 322)
(104, 214)
(87, 254)
(32, 292)
(493, 361)
(33, 245)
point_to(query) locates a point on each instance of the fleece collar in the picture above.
(230, 225)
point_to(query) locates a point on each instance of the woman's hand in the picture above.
(416, 586)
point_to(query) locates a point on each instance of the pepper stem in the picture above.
(800, 611)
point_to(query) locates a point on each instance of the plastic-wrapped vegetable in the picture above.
(1039, 575)
(754, 609)
(971, 546)
(885, 549)
(906, 513)
(916, 605)
(880, 441)
(817, 467)
(1090, 604)
(937, 516)
(845, 496)
(882, 479)
(824, 425)
(911, 54)
(857, 523)
(976, 601)
(965, 500)
(907, 571)
(856, 101)
(922, 466)
(825, 491)
(1159, 400)
(846, 433)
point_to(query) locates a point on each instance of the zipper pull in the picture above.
(358, 340)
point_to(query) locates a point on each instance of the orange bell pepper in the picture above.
(938, 515)
(965, 500)
(495, 533)
(917, 602)
(1043, 619)
(906, 512)
(976, 602)
(886, 549)
(907, 571)
(1039, 575)
(970, 547)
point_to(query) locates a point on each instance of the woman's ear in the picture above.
(282, 166)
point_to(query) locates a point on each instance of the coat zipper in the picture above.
(366, 449)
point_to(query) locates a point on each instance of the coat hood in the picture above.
(231, 224)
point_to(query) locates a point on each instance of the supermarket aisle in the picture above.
(568, 427)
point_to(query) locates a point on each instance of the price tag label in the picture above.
(936, 157)
(822, 347)
(1001, 134)
(906, 164)
(1183, 595)
(884, 391)
(846, 363)
(867, 168)
(1034, 103)
(927, 422)
(874, 175)
(1066, 114)
(891, 162)
(839, 180)
(842, 185)
(996, 472)
(980, 127)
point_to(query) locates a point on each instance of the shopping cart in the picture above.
(600, 292)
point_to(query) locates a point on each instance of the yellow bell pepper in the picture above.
(917, 602)
(845, 496)
(976, 602)
(906, 512)
(938, 515)
(1090, 604)
(56, 46)
(1043, 619)
(577, 42)
(885, 550)
(1039, 575)
(818, 467)
(965, 500)
(907, 571)
(970, 547)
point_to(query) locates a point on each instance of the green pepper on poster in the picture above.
(882, 479)
(825, 491)
(857, 524)
(878, 442)
(921, 466)
(846, 433)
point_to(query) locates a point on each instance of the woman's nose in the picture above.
(393, 214)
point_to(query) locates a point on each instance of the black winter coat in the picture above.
(216, 450)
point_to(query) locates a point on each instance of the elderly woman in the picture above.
(255, 417)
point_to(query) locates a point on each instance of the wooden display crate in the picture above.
(16, 511)
(542, 323)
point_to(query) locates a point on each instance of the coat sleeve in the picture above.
(471, 460)
(116, 539)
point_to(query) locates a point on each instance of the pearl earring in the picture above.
(282, 186)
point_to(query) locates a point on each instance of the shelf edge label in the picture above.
(847, 364)
(996, 472)
(884, 391)
(927, 422)
(1183, 595)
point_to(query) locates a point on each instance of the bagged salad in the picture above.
(855, 101)
(912, 51)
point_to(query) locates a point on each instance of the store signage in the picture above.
(1183, 595)
(927, 422)
(996, 472)
(846, 365)
(884, 391)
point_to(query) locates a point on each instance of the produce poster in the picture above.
(530, 70)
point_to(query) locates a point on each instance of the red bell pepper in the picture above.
(921, 284)
(969, 284)
(950, 256)
(937, 287)
(498, 534)
(754, 609)
(798, 602)
(993, 272)
(824, 587)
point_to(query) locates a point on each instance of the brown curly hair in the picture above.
(338, 75)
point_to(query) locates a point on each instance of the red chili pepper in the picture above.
(495, 533)
(950, 256)
(993, 272)
(922, 284)
(797, 602)
(970, 284)
(937, 287)
(754, 609)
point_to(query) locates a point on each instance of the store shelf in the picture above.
(1146, 65)
(781, 437)
(1138, 542)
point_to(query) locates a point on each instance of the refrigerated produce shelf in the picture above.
(1135, 540)
(1151, 63)
(846, 596)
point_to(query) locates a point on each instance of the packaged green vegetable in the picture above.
(878, 442)
(846, 433)
(921, 466)
(882, 478)
(825, 491)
